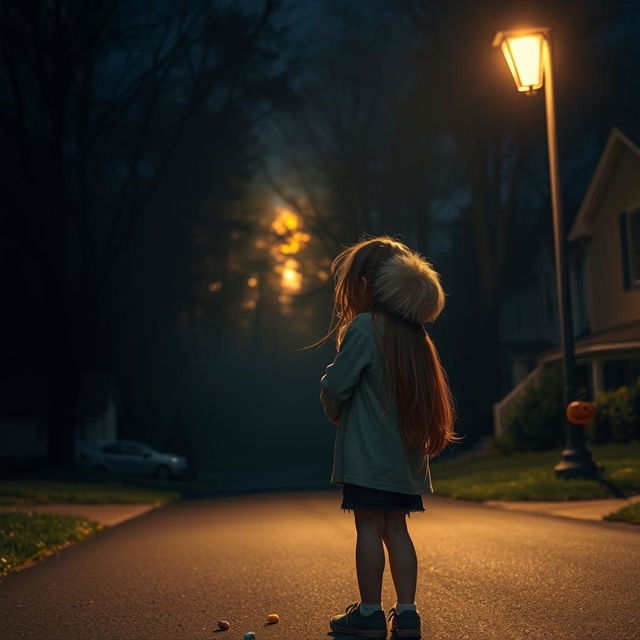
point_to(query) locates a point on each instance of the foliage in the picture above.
(535, 420)
(617, 415)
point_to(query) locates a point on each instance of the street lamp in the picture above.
(528, 54)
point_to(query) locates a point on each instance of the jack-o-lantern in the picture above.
(581, 411)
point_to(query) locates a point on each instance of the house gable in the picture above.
(615, 184)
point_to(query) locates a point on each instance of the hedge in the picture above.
(535, 420)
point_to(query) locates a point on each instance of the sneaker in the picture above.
(354, 623)
(405, 624)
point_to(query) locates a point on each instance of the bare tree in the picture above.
(101, 107)
(352, 164)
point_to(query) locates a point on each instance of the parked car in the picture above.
(135, 458)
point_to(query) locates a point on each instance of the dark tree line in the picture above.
(123, 124)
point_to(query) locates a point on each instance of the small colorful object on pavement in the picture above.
(250, 635)
(273, 618)
(224, 624)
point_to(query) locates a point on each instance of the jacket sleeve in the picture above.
(342, 375)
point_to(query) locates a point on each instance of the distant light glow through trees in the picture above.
(280, 262)
(290, 241)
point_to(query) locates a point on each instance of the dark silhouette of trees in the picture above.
(117, 117)
(352, 162)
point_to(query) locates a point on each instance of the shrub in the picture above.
(535, 421)
(617, 416)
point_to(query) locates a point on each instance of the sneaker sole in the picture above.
(405, 633)
(364, 633)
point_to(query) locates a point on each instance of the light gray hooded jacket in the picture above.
(368, 448)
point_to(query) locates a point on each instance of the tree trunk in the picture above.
(63, 377)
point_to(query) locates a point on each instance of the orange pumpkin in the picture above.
(580, 411)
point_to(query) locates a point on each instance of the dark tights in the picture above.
(373, 528)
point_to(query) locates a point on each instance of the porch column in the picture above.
(596, 375)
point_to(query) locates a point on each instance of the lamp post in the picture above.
(528, 54)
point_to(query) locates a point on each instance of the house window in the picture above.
(629, 222)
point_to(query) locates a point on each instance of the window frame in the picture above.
(629, 282)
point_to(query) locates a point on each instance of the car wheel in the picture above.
(163, 472)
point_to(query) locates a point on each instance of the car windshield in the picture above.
(138, 448)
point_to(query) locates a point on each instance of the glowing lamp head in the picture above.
(523, 53)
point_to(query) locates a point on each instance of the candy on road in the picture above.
(250, 635)
(273, 617)
(224, 624)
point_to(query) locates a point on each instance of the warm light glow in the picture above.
(215, 286)
(323, 275)
(288, 239)
(285, 221)
(291, 278)
(249, 304)
(252, 282)
(292, 247)
(523, 53)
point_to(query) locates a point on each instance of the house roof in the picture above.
(624, 337)
(616, 143)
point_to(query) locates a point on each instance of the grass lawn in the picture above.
(27, 536)
(631, 514)
(44, 486)
(530, 476)
(43, 491)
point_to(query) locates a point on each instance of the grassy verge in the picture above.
(42, 491)
(27, 536)
(630, 513)
(530, 476)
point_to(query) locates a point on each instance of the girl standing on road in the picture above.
(384, 293)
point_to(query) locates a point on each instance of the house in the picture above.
(23, 414)
(603, 258)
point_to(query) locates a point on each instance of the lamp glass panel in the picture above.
(524, 57)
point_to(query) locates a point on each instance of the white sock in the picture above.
(405, 606)
(368, 609)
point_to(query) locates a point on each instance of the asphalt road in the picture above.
(484, 573)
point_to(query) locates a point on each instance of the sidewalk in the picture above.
(115, 513)
(109, 514)
(583, 509)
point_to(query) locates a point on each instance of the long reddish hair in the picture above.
(405, 290)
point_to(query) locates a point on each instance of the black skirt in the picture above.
(356, 497)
